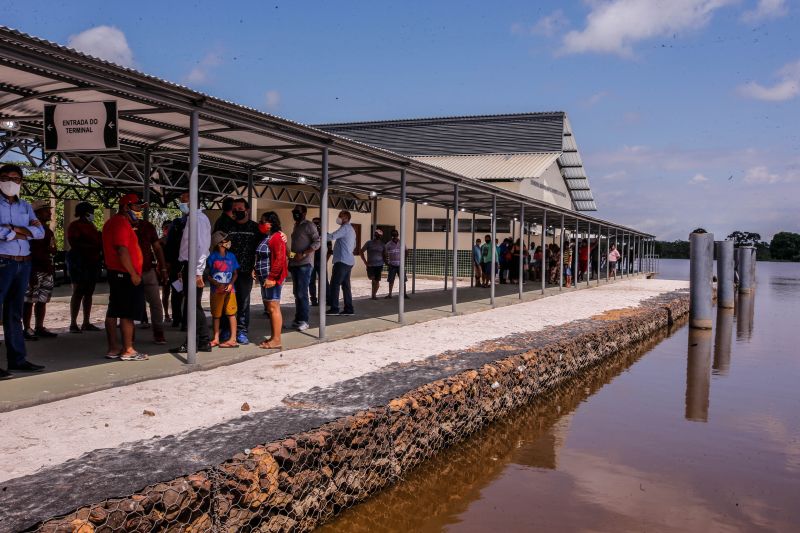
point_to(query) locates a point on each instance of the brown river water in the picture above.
(689, 431)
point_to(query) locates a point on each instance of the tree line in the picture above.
(784, 246)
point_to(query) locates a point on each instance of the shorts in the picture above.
(394, 272)
(612, 266)
(40, 288)
(487, 269)
(567, 271)
(583, 265)
(125, 300)
(272, 294)
(375, 272)
(81, 273)
(223, 303)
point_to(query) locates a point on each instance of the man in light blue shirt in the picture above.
(343, 261)
(18, 225)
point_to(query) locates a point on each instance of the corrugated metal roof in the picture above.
(494, 166)
(489, 134)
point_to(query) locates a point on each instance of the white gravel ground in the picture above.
(49, 434)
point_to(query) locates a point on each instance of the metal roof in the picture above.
(519, 133)
(494, 166)
(239, 146)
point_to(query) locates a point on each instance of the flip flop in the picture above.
(112, 355)
(229, 345)
(267, 346)
(214, 344)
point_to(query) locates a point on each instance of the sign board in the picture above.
(83, 126)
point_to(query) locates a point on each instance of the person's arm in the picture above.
(161, 261)
(277, 249)
(229, 288)
(363, 249)
(127, 263)
(34, 229)
(338, 233)
(316, 240)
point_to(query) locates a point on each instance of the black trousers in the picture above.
(189, 283)
(176, 298)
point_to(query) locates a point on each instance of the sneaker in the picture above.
(29, 335)
(301, 326)
(332, 312)
(46, 333)
(347, 313)
(241, 338)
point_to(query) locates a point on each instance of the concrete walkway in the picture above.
(75, 363)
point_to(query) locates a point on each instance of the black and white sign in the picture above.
(83, 126)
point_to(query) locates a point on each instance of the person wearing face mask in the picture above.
(305, 241)
(40, 289)
(192, 275)
(172, 249)
(124, 262)
(244, 237)
(83, 264)
(227, 215)
(18, 226)
(271, 269)
(374, 250)
(393, 252)
(343, 260)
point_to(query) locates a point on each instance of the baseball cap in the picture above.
(131, 199)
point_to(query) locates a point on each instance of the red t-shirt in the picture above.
(147, 235)
(117, 231)
(84, 238)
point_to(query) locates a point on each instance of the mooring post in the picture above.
(725, 289)
(701, 263)
(747, 256)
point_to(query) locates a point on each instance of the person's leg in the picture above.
(375, 284)
(390, 280)
(348, 295)
(27, 313)
(337, 276)
(88, 296)
(203, 339)
(75, 305)
(231, 319)
(40, 310)
(153, 298)
(312, 286)
(12, 312)
(243, 288)
(301, 300)
(215, 339)
(165, 303)
(127, 328)
(274, 307)
(294, 271)
(177, 297)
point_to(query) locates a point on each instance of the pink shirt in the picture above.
(613, 256)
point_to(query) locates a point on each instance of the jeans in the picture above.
(340, 278)
(301, 278)
(312, 284)
(14, 277)
(243, 285)
(177, 297)
(202, 327)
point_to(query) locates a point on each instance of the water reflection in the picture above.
(437, 492)
(745, 309)
(698, 375)
(722, 342)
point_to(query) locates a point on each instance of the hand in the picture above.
(136, 279)
(229, 287)
(35, 222)
(199, 282)
(284, 238)
(268, 283)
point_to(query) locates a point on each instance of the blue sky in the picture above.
(686, 111)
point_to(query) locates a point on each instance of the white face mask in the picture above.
(184, 207)
(90, 217)
(9, 188)
(339, 221)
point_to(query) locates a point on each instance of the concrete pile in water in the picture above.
(300, 482)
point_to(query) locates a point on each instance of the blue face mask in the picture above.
(135, 215)
(184, 207)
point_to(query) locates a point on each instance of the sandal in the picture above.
(112, 355)
(88, 327)
(229, 344)
(135, 356)
(266, 345)
(213, 344)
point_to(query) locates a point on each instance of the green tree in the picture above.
(785, 246)
(744, 238)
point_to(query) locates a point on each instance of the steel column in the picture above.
(401, 300)
(599, 239)
(446, 247)
(414, 252)
(194, 188)
(522, 250)
(575, 255)
(588, 254)
(544, 255)
(323, 249)
(471, 244)
(608, 251)
(561, 257)
(493, 249)
(146, 186)
(455, 248)
(250, 188)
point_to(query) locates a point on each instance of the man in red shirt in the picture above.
(124, 264)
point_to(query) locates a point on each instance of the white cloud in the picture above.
(614, 26)
(272, 99)
(595, 98)
(550, 24)
(766, 9)
(698, 179)
(104, 42)
(761, 175)
(201, 73)
(786, 88)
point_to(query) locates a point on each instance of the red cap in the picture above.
(130, 198)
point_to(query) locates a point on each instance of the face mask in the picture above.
(264, 227)
(297, 216)
(226, 245)
(339, 221)
(136, 216)
(240, 215)
(377, 237)
(90, 217)
(9, 188)
(184, 208)
(395, 238)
